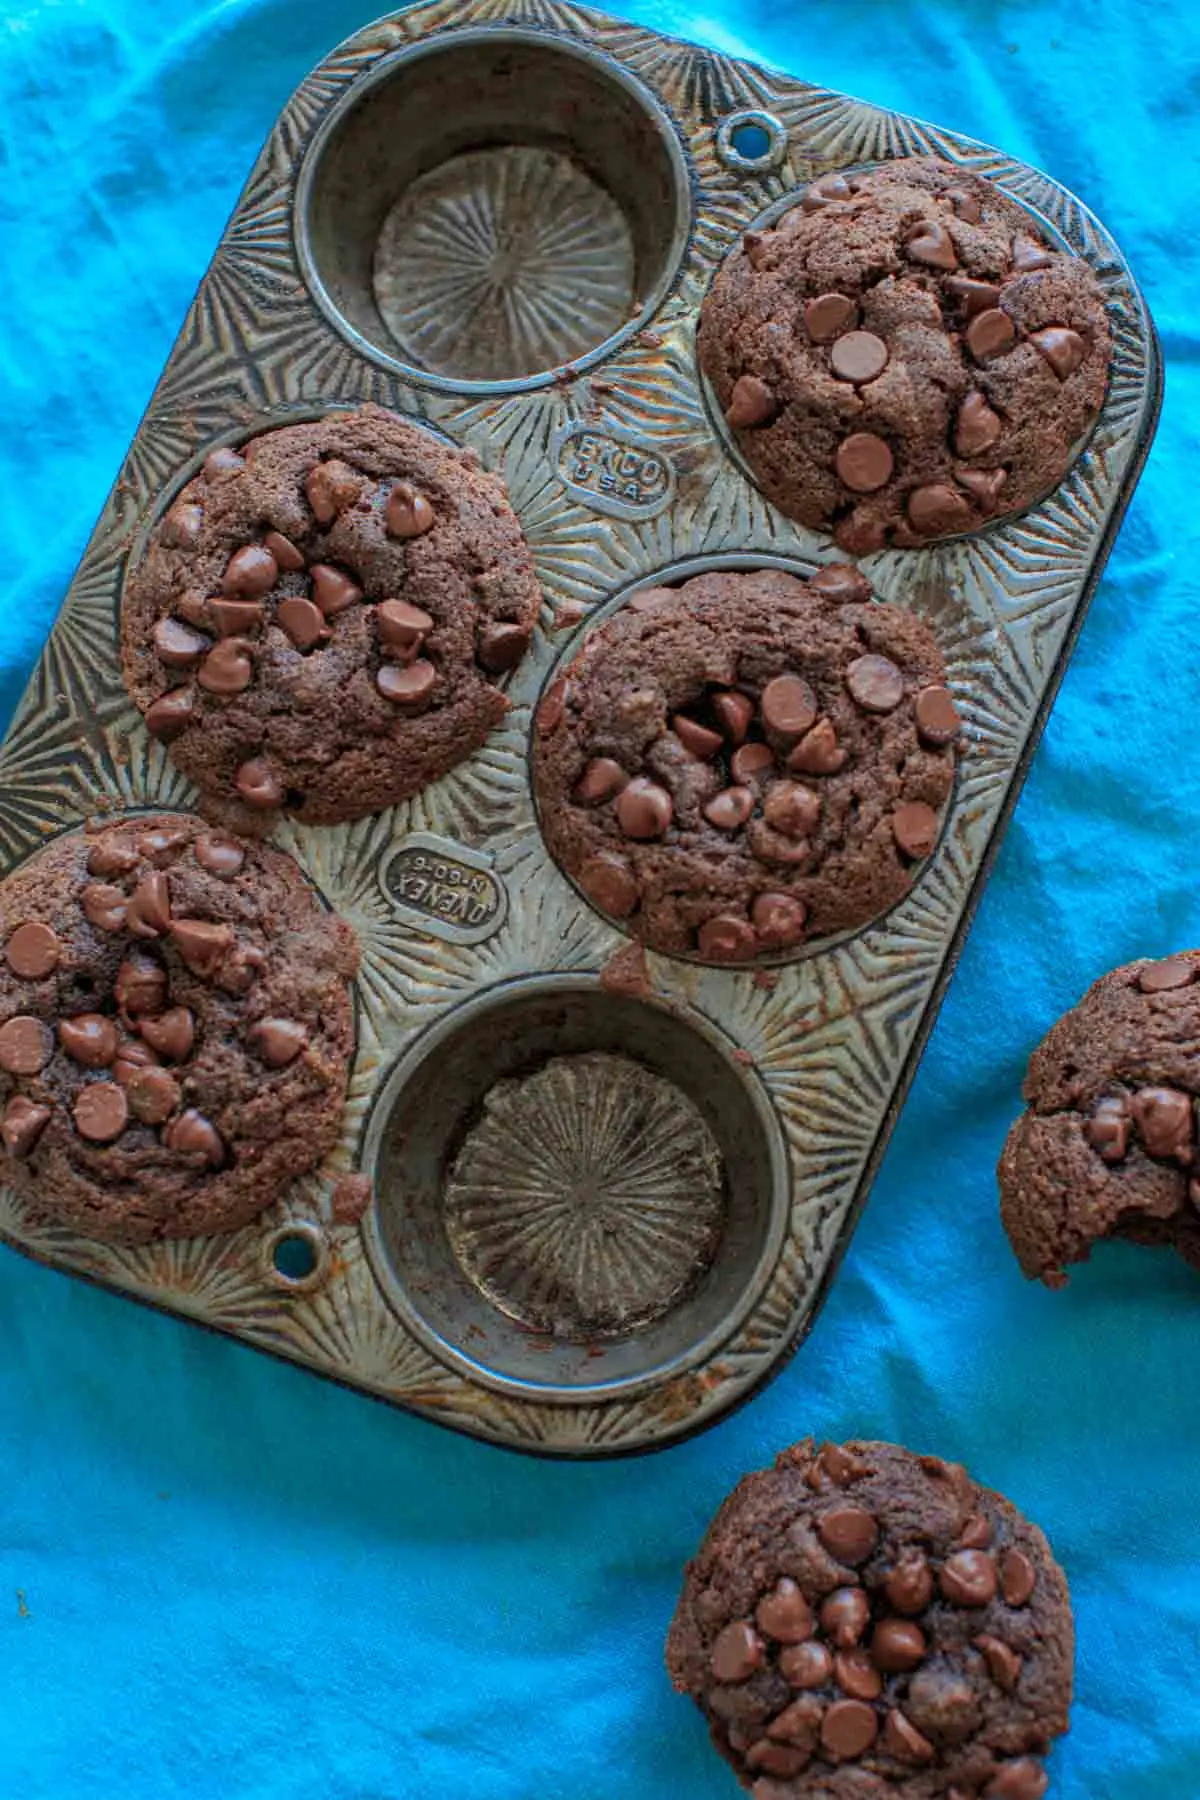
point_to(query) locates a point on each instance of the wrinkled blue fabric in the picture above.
(222, 1579)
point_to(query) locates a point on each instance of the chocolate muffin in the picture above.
(1108, 1147)
(903, 357)
(737, 765)
(322, 619)
(175, 1029)
(862, 1623)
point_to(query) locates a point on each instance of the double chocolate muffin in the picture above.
(175, 1029)
(322, 619)
(862, 1623)
(902, 356)
(1108, 1147)
(737, 765)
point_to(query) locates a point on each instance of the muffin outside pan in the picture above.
(901, 356)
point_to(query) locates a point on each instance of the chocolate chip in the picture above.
(172, 1034)
(1018, 1577)
(1004, 1665)
(937, 716)
(697, 739)
(1028, 254)
(737, 1652)
(153, 1095)
(26, 1045)
(101, 1112)
(549, 714)
(929, 243)
(277, 1042)
(332, 590)
(227, 669)
(601, 779)
(141, 986)
(965, 203)
(902, 1739)
(751, 763)
(182, 525)
(840, 582)
(857, 1675)
(408, 513)
(331, 488)
(825, 191)
(807, 1665)
(651, 599)
(818, 752)
(32, 951)
(984, 484)
(191, 1134)
(1107, 1131)
(784, 1760)
(257, 783)
(864, 462)
(898, 1646)
(303, 622)
(750, 404)
(791, 808)
(730, 809)
(784, 1614)
(845, 1614)
(915, 828)
(148, 912)
(789, 706)
(250, 573)
(976, 1533)
(644, 810)
(909, 1587)
(502, 645)
(202, 944)
(990, 333)
(828, 316)
(1022, 1780)
(968, 1578)
(875, 683)
(177, 645)
(90, 1039)
(977, 426)
(798, 1723)
(112, 856)
(734, 713)
(171, 713)
(219, 855)
(161, 840)
(976, 296)
(286, 555)
(779, 920)
(1062, 348)
(727, 938)
(608, 882)
(222, 462)
(849, 1533)
(1161, 977)
(234, 617)
(1164, 1117)
(22, 1124)
(409, 685)
(132, 1055)
(848, 1728)
(937, 508)
(858, 356)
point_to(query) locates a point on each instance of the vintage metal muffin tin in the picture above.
(563, 1254)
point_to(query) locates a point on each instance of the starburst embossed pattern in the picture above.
(588, 1199)
(503, 262)
(585, 1207)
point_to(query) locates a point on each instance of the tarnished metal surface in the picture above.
(618, 471)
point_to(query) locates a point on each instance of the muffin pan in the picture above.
(609, 1189)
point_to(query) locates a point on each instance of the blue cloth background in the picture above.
(243, 1584)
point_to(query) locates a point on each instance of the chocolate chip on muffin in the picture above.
(902, 357)
(863, 1621)
(748, 761)
(1109, 1147)
(175, 1029)
(322, 619)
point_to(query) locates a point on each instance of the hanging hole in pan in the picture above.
(485, 208)
(751, 142)
(294, 1257)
